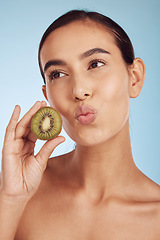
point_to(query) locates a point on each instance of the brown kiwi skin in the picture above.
(42, 137)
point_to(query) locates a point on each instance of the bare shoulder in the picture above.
(149, 195)
(154, 191)
(54, 176)
(148, 189)
(58, 165)
(155, 206)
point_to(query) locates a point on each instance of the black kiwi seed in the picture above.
(46, 123)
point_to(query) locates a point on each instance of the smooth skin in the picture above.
(95, 192)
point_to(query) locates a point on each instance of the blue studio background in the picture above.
(22, 24)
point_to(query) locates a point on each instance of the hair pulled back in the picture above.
(121, 38)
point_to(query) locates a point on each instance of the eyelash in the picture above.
(52, 73)
(96, 61)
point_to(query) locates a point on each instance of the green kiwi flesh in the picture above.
(46, 123)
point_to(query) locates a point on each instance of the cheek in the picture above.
(56, 97)
(115, 99)
(114, 87)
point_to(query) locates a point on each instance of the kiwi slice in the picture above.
(46, 123)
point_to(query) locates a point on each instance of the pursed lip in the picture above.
(85, 114)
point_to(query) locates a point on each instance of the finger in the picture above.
(47, 149)
(10, 130)
(43, 103)
(23, 127)
(28, 129)
(31, 137)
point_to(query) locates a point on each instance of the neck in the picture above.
(104, 166)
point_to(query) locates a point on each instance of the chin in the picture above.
(93, 135)
(90, 137)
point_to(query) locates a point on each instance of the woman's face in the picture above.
(84, 68)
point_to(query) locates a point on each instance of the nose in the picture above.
(82, 85)
(80, 93)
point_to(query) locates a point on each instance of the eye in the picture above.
(96, 63)
(56, 74)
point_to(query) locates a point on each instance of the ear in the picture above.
(44, 92)
(137, 76)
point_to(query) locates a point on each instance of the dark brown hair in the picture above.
(121, 38)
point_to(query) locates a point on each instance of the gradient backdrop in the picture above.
(22, 24)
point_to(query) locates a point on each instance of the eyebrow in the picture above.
(54, 63)
(93, 51)
(88, 53)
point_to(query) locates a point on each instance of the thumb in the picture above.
(47, 149)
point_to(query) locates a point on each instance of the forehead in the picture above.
(76, 38)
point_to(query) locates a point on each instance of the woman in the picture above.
(96, 191)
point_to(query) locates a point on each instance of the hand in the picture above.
(21, 170)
